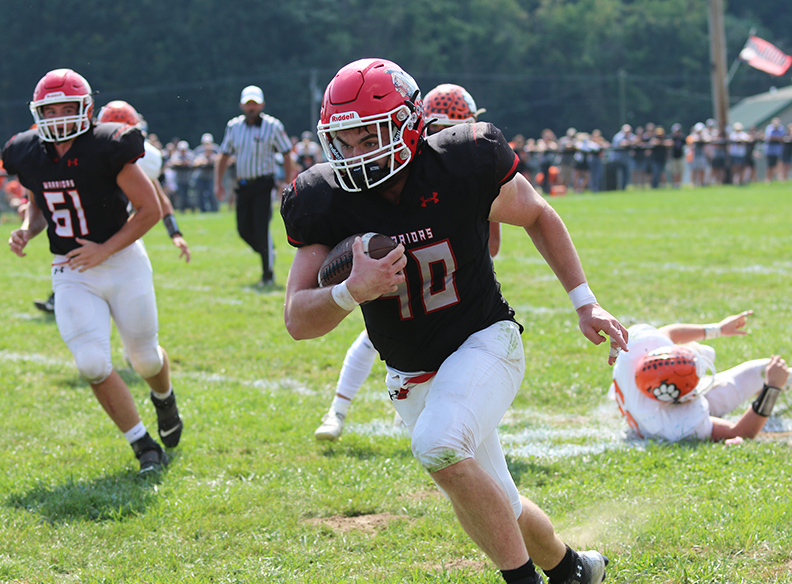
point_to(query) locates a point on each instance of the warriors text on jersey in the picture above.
(78, 193)
(442, 219)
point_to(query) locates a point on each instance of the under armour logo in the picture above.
(71, 162)
(578, 577)
(433, 199)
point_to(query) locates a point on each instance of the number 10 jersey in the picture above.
(441, 219)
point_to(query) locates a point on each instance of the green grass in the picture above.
(251, 497)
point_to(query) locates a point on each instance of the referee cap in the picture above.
(252, 93)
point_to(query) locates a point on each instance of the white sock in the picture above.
(136, 433)
(162, 396)
(340, 405)
(357, 366)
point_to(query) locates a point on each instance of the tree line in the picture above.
(531, 63)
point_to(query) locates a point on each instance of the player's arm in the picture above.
(730, 326)
(494, 239)
(140, 192)
(33, 224)
(288, 167)
(754, 418)
(519, 204)
(748, 426)
(221, 164)
(311, 311)
(169, 220)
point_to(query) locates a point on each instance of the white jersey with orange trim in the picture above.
(648, 417)
(151, 162)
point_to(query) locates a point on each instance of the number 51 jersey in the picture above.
(78, 193)
(442, 220)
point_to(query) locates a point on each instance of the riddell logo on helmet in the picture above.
(344, 117)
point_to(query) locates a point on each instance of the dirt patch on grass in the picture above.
(458, 564)
(369, 524)
(424, 495)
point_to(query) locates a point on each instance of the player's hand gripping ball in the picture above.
(338, 264)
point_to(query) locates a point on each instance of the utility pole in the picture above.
(622, 75)
(720, 88)
(316, 98)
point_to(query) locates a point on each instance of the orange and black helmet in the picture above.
(120, 112)
(668, 374)
(449, 105)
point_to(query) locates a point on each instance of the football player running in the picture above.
(667, 388)
(433, 308)
(123, 113)
(444, 106)
(82, 176)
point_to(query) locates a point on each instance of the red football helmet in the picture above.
(671, 374)
(377, 93)
(62, 86)
(450, 104)
(119, 111)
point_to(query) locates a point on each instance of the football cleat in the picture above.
(150, 455)
(265, 282)
(47, 305)
(589, 568)
(332, 426)
(169, 423)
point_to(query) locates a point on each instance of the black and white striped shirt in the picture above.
(255, 146)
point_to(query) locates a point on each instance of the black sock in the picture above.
(563, 570)
(525, 574)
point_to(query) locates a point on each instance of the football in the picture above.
(338, 264)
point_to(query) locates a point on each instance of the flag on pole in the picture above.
(760, 54)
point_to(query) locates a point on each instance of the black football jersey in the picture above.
(78, 193)
(442, 219)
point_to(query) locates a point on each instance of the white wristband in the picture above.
(343, 298)
(582, 295)
(712, 331)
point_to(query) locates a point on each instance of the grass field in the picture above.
(252, 498)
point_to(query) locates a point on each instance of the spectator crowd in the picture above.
(634, 158)
(650, 157)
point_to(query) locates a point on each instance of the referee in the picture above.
(254, 138)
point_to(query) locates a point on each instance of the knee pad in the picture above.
(93, 364)
(435, 455)
(147, 363)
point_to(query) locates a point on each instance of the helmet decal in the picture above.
(669, 374)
